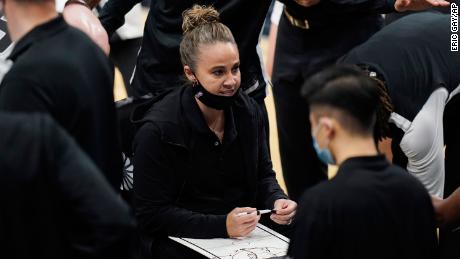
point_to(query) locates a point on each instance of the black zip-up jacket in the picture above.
(175, 192)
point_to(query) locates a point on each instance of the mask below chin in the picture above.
(217, 102)
(323, 154)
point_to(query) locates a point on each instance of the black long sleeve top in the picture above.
(186, 181)
(371, 209)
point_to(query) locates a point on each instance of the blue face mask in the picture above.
(323, 154)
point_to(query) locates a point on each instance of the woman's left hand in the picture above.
(285, 211)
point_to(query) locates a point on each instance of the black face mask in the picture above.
(217, 102)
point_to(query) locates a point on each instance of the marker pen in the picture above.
(259, 212)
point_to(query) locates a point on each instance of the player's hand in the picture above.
(241, 221)
(418, 5)
(307, 3)
(285, 211)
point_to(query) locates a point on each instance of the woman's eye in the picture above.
(218, 72)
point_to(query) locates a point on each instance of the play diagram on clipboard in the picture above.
(261, 243)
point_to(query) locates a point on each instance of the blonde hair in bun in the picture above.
(197, 16)
(201, 26)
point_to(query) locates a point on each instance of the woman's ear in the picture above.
(189, 73)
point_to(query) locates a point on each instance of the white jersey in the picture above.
(423, 141)
(134, 24)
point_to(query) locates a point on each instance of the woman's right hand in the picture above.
(241, 221)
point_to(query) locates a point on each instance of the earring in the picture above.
(194, 83)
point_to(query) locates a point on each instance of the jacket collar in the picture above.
(37, 34)
(192, 112)
(353, 164)
(195, 117)
(170, 109)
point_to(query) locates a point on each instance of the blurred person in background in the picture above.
(51, 189)
(58, 70)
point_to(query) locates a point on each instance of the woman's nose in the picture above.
(230, 81)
